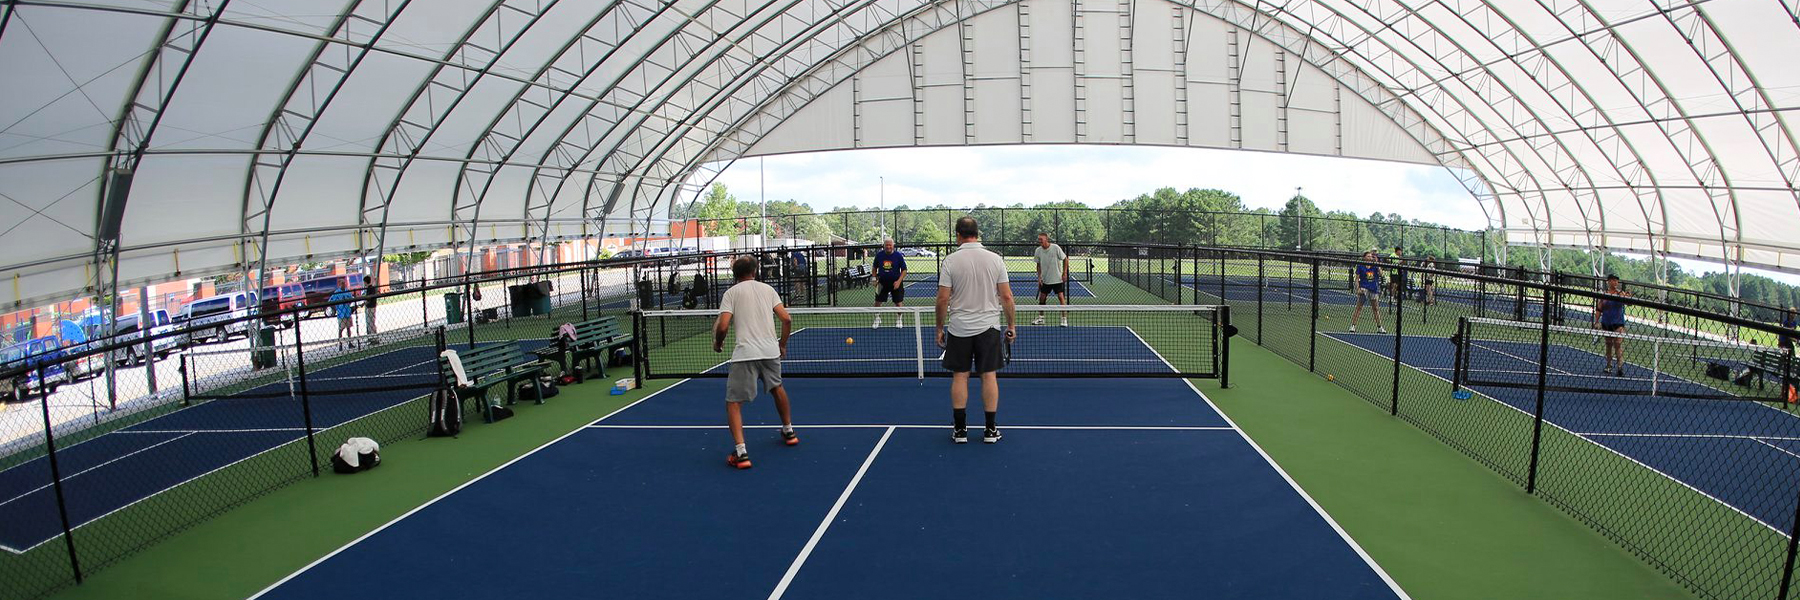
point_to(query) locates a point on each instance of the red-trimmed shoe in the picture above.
(741, 461)
(791, 438)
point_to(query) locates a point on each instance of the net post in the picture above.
(1399, 326)
(1459, 353)
(1537, 417)
(1312, 336)
(1178, 280)
(919, 341)
(187, 388)
(62, 504)
(312, 449)
(1222, 358)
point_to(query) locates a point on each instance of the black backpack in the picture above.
(446, 414)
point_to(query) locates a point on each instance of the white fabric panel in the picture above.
(425, 192)
(887, 123)
(943, 115)
(52, 209)
(363, 108)
(320, 191)
(182, 197)
(505, 198)
(1312, 132)
(997, 117)
(1258, 122)
(42, 116)
(1768, 216)
(886, 79)
(1153, 94)
(1309, 88)
(401, 238)
(1101, 42)
(942, 57)
(1052, 33)
(1052, 105)
(1209, 115)
(1208, 58)
(996, 36)
(465, 125)
(826, 123)
(1258, 60)
(1370, 134)
(436, 27)
(1152, 36)
(30, 287)
(230, 89)
(1103, 112)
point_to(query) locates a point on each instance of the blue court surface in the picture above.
(1279, 290)
(115, 470)
(1115, 488)
(1039, 349)
(1660, 432)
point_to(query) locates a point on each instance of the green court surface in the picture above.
(1442, 524)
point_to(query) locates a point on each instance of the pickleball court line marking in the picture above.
(1777, 448)
(1692, 435)
(1345, 535)
(831, 515)
(1771, 528)
(456, 489)
(84, 471)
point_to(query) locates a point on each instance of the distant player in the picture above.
(1368, 291)
(1609, 315)
(1791, 320)
(752, 306)
(1052, 275)
(974, 292)
(890, 279)
(1396, 278)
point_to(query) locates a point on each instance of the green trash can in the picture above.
(453, 312)
(263, 357)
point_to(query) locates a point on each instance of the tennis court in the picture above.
(1103, 487)
(120, 468)
(1645, 418)
(1023, 286)
(1239, 288)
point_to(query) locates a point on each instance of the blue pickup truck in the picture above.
(20, 363)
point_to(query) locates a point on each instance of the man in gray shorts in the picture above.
(752, 306)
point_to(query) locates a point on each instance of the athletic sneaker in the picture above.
(741, 461)
(899, 322)
(1038, 321)
(959, 435)
(1381, 329)
(790, 438)
(877, 322)
(990, 435)
(1065, 322)
(1352, 329)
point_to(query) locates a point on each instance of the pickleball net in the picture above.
(1187, 341)
(1658, 362)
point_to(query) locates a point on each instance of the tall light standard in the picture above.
(762, 195)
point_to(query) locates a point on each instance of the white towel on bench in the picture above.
(456, 367)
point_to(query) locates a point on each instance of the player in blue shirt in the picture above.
(345, 313)
(1609, 315)
(1368, 291)
(890, 273)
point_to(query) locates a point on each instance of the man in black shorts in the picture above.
(1396, 279)
(1052, 274)
(974, 291)
(890, 279)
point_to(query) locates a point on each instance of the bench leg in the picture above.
(537, 383)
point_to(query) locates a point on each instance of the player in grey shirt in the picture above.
(1053, 275)
(974, 292)
(751, 307)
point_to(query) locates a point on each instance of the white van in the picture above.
(228, 312)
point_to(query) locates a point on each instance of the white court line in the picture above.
(1772, 528)
(1693, 435)
(1345, 535)
(930, 426)
(212, 430)
(788, 578)
(84, 471)
(456, 489)
(1777, 448)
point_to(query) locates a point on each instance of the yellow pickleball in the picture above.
(1331, 378)
(850, 340)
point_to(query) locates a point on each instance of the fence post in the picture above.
(1399, 326)
(312, 449)
(1460, 343)
(1543, 374)
(1222, 358)
(1312, 339)
(62, 504)
(1221, 254)
(1260, 283)
(187, 389)
(1787, 567)
(1178, 280)
(640, 357)
(469, 303)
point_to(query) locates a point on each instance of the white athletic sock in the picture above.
(741, 451)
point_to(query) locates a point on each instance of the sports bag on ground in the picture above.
(357, 454)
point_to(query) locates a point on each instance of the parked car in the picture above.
(33, 365)
(916, 252)
(320, 289)
(128, 329)
(226, 314)
(276, 298)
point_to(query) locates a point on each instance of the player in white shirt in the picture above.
(974, 291)
(753, 306)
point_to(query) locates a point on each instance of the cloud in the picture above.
(1099, 176)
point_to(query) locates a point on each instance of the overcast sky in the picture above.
(1101, 175)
